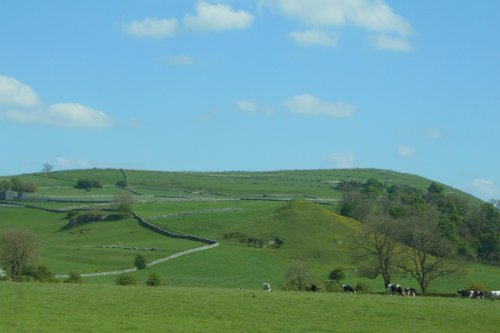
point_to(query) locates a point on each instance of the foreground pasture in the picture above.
(32, 307)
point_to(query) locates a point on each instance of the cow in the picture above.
(348, 289)
(266, 286)
(495, 294)
(477, 294)
(465, 293)
(410, 292)
(394, 289)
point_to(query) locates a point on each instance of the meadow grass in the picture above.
(32, 307)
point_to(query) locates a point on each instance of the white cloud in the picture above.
(66, 163)
(406, 151)
(485, 187)
(23, 106)
(254, 107)
(307, 104)
(152, 27)
(393, 43)
(315, 37)
(342, 160)
(433, 134)
(181, 60)
(14, 93)
(217, 17)
(372, 15)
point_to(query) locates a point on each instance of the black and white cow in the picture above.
(410, 292)
(266, 286)
(394, 289)
(348, 289)
(495, 294)
(477, 294)
(465, 293)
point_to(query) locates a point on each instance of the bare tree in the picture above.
(18, 248)
(47, 167)
(427, 256)
(378, 243)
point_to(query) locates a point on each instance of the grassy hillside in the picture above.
(41, 308)
(263, 221)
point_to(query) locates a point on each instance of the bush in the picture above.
(140, 261)
(337, 275)
(362, 287)
(74, 277)
(121, 183)
(154, 280)
(126, 280)
(88, 184)
(477, 287)
(39, 273)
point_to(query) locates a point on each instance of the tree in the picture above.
(425, 258)
(125, 279)
(87, 184)
(18, 249)
(124, 202)
(140, 261)
(74, 277)
(47, 167)
(337, 274)
(298, 277)
(378, 244)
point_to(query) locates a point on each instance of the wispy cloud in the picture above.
(253, 107)
(374, 16)
(405, 151)
(309, 105)
(180, 60)
(217, 17)
(393, 43)
(20, 104)
(67, 163)
(342, 160)
(433, 134)
(315, 37)
(485, 187)
(153, 27)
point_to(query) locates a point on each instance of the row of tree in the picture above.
(18, 185)
(473, 229)
(420, 233)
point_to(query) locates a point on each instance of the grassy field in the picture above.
(32, 307)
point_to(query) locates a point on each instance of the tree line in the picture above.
(417, 232)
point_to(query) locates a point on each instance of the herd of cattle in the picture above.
(396, 289)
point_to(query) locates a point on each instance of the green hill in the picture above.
(263, 221)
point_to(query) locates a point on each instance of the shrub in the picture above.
(477, 287)
(363, 287)
(39, 273)
(126, 280)
(140, 261)
(87, 184)
(337, 275)
(154, 280)
(74, 277)
(121, 183)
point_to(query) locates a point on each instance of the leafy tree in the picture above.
(140, 261)
(337, 274)
(124, 202)
(18, 249)
(154, 280)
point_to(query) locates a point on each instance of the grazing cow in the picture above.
(348, 289)
(477, 294)
(266, 286)
(495, 294)
(410, 292)
(465, 293)
(394, 289)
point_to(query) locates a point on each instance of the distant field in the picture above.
(34, 307)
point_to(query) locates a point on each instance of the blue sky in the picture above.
(411, 86)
